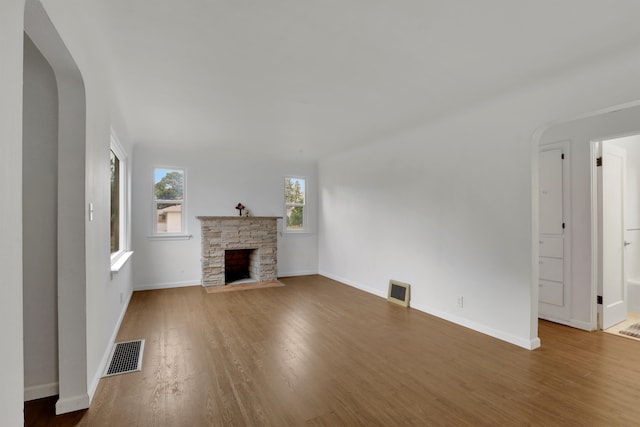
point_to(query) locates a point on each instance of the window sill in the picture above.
(120, 262)
(170, 237)
(296, 233)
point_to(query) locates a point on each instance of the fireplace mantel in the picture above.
(222, 233)
(243, 218)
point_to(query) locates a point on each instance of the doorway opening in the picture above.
(616, 200)
(581, 267)
(66, 168)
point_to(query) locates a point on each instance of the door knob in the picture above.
(627, 243)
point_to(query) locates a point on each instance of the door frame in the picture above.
(594, 152)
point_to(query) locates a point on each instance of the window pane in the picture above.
(169, 184)
(115, 203)
(295, 218)
(294, 190)
(169, 196)
(169, 217)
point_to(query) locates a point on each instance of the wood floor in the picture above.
(319, 353)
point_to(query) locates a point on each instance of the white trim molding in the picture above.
(117, 265)
(39, 391)
(297, 273)
(72, 404)
(169, 285)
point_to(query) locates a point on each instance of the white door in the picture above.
(550, 187)
(614, 305)
(554, 284)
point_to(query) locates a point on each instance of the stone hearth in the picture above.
(222, 233)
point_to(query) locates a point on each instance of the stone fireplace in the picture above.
(233, 247)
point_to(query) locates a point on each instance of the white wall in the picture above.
(580, 133)
(216, 181)
(40, 224)
(91, 307)
(11, 356)
(448, 205)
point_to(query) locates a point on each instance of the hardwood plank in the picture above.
(316, 352)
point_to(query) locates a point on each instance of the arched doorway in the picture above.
(70, 240)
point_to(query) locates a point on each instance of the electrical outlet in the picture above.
(460, 302)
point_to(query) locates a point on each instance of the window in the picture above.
(169, 196)
(119, 215)
(115, 203)
(294, 202)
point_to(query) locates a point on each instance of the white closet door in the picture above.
(550, 188)
(553, 270)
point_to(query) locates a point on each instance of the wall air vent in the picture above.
(125, 357)
(399, 293)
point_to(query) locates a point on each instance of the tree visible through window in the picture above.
(169, 200)
(115, 203)
(294, 199)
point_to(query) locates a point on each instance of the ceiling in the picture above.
(310, 78)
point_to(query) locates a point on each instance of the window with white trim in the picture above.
(169, 201)
(295, 203)
(119, 217)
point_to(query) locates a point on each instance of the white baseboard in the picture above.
(297, 273)
(529, 344)
(351, 283)
(105, 357)
(71, 404)
(39, 391)
(534, 343)
(585, 326)
(169, 285)
(150, 287)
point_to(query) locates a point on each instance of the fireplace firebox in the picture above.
(240, 265)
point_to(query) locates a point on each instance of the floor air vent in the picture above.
(125, 357)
